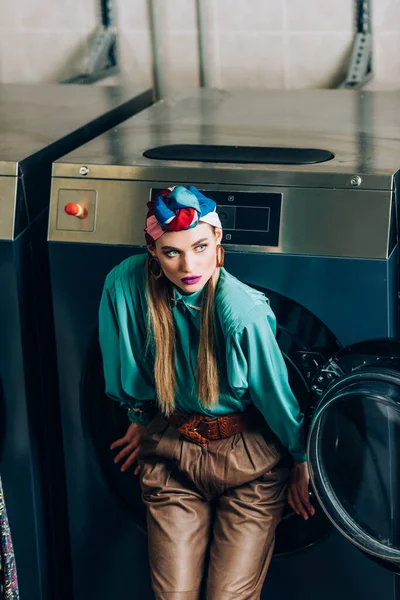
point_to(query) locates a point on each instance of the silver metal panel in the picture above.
(361, 128)
(34, 116)
(8, 193)
(8, 168)
(319, 222)
(223, 174)
(84, 198)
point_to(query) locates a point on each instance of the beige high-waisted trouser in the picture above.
(226, 499)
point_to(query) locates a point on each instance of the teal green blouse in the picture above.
(251, 366)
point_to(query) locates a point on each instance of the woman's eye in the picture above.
(201, 248)
(170, 253)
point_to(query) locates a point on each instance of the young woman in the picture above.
(191, 352)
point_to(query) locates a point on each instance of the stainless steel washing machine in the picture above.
(305, 184)
(38, 124)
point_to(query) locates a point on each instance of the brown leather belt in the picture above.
(200, 429)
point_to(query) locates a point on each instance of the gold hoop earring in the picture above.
(156, 275)
(220, 256)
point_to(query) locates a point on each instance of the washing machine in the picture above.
(38, 124)
(305, 184)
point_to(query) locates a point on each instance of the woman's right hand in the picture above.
(130, 445)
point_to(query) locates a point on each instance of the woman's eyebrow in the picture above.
(169, 248)
(178, 250)
(199, 242)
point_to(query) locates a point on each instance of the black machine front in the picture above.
(318, 236)
(52, 120)
(113, 498)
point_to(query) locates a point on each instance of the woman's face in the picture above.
(188, 258)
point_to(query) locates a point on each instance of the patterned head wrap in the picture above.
(176, 209)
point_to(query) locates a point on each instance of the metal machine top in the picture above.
(39, 124)
(33, 117)
(361, 129)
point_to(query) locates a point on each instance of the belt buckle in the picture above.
(192, 432)
(197, 438)
(209, 429)
(194, 424)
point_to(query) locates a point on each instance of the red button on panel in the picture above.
(75, 210)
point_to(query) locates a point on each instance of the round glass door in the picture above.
(354, 447)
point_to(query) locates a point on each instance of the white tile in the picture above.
(12, 57)
(385, 16)
(9, 15)
(251, 61)
(42, 57)
(317, 60)
(132, 14)
(179, 58)
(135, 57)
(249, 15)
(91, 14)
(386, 61)
(180, 43)
(374, 85)
(178, 15)
(180, 61)
(110, 81)
(211, 12)
(318, 15)
(213, 57)
(42, 15)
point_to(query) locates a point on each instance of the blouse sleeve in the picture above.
(261, 369)
(123, 378)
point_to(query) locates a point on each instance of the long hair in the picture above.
(161, 331)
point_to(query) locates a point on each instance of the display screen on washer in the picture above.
(248, 218)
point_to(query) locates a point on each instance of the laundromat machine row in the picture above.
(305, 184)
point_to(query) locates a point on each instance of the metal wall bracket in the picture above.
(102, 46)
(102, 59)
(360, 66)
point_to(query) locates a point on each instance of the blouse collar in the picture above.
(191, 301)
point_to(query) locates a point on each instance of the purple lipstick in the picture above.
(191, 280)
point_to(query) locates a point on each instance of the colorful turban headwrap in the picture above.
(176, 209)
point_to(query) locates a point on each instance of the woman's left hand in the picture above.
(298, 497)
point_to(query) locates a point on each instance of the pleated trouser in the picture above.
(211, 512)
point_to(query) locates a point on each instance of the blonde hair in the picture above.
(161, 331)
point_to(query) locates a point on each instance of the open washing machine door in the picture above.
(354, 446)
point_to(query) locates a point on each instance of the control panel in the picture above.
(286, 220)
(247, 218)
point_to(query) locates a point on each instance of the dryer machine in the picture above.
(305, 184)
(37, 125)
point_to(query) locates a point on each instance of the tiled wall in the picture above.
(252, 43)
(43, 40)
